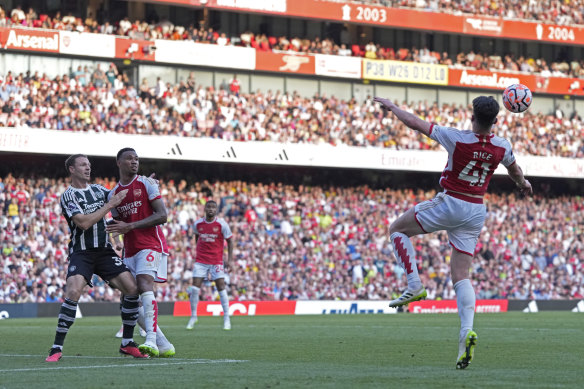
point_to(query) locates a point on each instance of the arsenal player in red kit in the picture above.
(139, 218)
(473, 157)
(211, 232)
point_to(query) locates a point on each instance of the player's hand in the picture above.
(154, 179)
(225, 265)
(118, 227)
(526, 188)
(117, 198)
(385, 103)
(117, 241)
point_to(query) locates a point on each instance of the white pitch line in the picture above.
(192, 362)
(121, 357)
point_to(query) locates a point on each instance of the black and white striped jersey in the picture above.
(76, 201)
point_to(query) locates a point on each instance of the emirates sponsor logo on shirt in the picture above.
(35, 40)
(208, 237)
(129, 208)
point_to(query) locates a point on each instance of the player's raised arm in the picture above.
(409, 119)
(86, 221)
(159, 216)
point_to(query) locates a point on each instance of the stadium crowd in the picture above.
(299, 242)
(560, 12)
(166, 30)
(103, 100)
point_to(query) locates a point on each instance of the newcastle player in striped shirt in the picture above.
(84, 206)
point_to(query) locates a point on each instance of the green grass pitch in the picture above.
(515, 350)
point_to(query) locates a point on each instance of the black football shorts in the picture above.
(103, 262)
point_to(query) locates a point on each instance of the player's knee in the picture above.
(131, 289)
(396, 226)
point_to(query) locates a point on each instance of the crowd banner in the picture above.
(284, 62)
(44, 41)
(350, 12)
(402, 71)
(87, 44)
(201, 54)
(29, 140)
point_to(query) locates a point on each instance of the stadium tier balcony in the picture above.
(143, 30)
(101, 100)
(293, 243)
(547, 11)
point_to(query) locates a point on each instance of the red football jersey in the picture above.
(136, 206)
(472, 158)
(211, 237)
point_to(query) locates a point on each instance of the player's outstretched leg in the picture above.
(466, 347)
(193, 292)
(406, 257)
(409, 296)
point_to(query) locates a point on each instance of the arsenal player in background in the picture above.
(211, 233)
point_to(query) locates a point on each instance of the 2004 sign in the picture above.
(560, 33)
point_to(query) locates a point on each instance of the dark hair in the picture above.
(122, 151)
(485, 110)
(211, 201)
(70, 161)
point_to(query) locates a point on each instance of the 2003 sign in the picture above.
(371, 14)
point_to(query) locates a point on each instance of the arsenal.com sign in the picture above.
(33, 40)
(449, 306)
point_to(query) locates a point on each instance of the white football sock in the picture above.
(465, 299)
(194, 299)
(161, 340)
(406, 257)
(225, 304)
(150, 316)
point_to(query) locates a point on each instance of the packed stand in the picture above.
(299, 242)
(562, 12)
(102, 100)
(263, 42)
